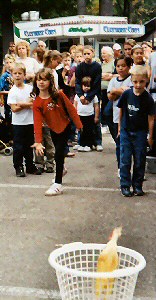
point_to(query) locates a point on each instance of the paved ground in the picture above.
(32, 225)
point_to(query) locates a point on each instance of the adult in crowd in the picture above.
(107, 56)
(31, 65)
(147, 50)
(117, 53)
(12, 49)
(38, 54)
(127, 46)
(42, 45)
(117, 50)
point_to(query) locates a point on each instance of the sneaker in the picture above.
(54, 190)
(49, 170)
(99, 148)
(76, 147)
(138, 191)
(20, 172)
(125, 191)
(87, 149)
(34, 170)
(81, 149)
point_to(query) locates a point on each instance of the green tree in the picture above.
(137, 11)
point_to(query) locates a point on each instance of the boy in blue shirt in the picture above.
(136, 119)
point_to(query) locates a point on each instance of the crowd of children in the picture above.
(54, 99)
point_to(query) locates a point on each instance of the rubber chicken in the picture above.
(108, 261)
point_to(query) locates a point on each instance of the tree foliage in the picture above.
(137, 11)
(47, 8)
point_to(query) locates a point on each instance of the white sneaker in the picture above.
(76, 147)
(54, 190)
(99, 148)
(87, 149)
(80, 149)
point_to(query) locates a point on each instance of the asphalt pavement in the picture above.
(33, 225)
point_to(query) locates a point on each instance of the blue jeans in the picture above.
(117, 142)
(132, 144)
(108, 112)
(97, 134)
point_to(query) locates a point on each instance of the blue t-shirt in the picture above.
(5, 82)
(136, 110)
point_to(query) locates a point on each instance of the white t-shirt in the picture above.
(16, 95)
(116, 83)
(85, 110)
(31, 64)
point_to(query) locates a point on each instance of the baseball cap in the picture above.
(116, 47)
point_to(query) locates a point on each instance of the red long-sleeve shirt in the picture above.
(55, 116)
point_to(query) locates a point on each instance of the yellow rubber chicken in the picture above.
(108, 261)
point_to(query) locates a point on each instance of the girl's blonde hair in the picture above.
(139, 70)
(49, 56)
(23, 43)
(47, 74)
(19, 66)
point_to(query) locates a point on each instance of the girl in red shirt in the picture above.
(53, 107)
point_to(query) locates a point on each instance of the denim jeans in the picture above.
(132, 144)
(117, 142)
(108, 112)
(104, 101)
(97, 134)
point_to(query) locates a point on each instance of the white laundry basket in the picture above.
(76, 266)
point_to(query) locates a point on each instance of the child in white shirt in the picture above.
(89, 114)
(22, 120)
